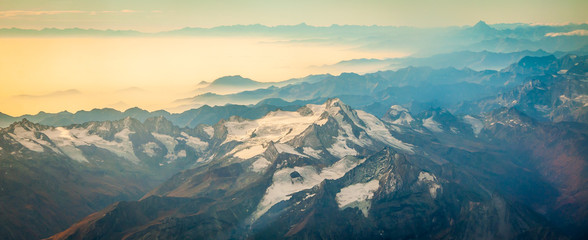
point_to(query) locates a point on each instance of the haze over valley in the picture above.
(53, 70)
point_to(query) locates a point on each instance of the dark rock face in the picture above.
(295, 174)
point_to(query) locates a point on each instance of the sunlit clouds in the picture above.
(571, 33)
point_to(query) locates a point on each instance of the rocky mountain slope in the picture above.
(51, 177)
(456, 89)
(328, 171)
(556, 91)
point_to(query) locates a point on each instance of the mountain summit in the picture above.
(230, 84)
(482, 31)
(482, 25)
(236, 80)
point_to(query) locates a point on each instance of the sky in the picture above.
(53, 74)
(157, 15)
(56, 74)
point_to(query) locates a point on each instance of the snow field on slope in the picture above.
(283, 186)
(430, 124)
(357, 195)
(431, 181)
(476, 124)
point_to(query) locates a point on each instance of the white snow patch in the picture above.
(181, 154)
(453, 130)
(431, 180)
(123, 135)
(395, 109)
(209, 130)
(336, 107)
(582, 99)
(249, 152)
(278, 127)
(312, 152)
(339, 168)
(73, 152)
(321, 122)
(395, 128)
(433, 189)
(402, 115)
(149, 149)
(476, 124)
(124, 148)
(308, 196)
(27, 139)
(285, 148)
(404, 119)
(239, 131)
(102, 128)
(67, 140)
(340, 148)
(169, 142)
(194, 142)
(260, 164)
(430, 124)
(358, 195)
(542, 108)
(425, 176)
(283, 185)
(347, 133)
(376, 129)
(28, 143)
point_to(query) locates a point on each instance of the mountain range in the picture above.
(498, 169)
(193, 117)
(465, 91)
(421, 41)
(292, 173)
(235, 84)
(419, 87)
(484, 60)
(485, 139)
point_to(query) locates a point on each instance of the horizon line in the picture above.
(528, 24)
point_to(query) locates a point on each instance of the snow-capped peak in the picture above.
(398, 115)
(396, 109)
(357, 128)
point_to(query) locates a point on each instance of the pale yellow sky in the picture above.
(166, 69)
